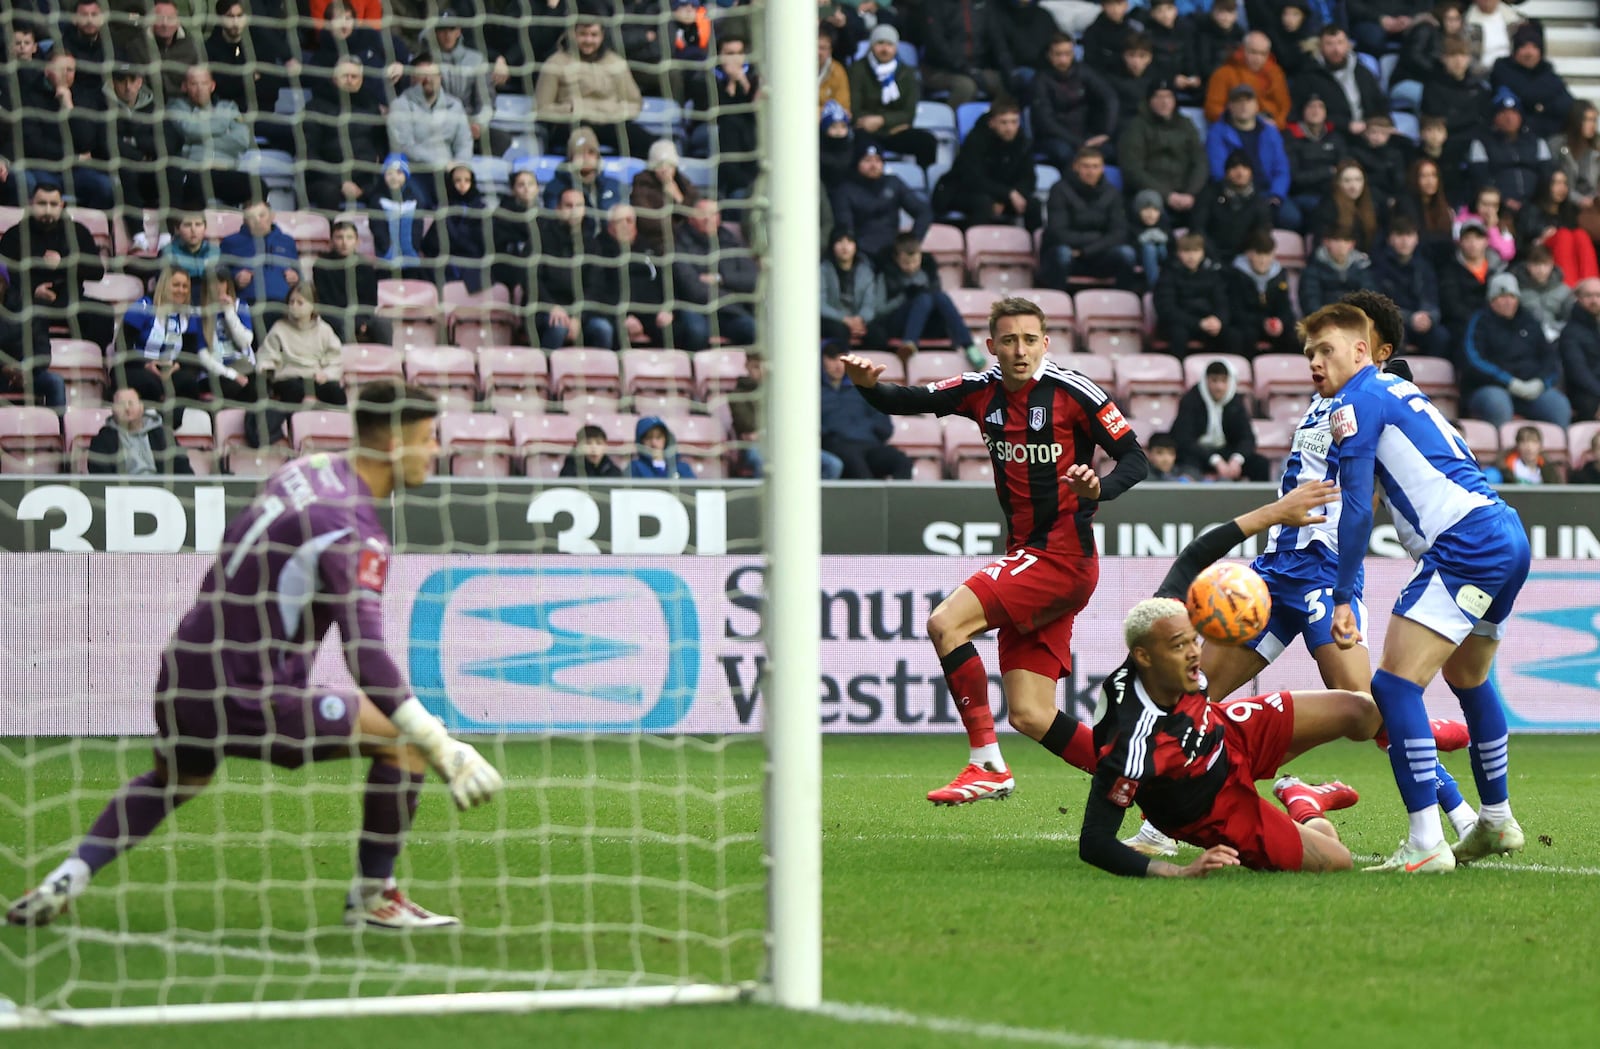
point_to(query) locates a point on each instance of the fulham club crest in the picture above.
(1035, 418)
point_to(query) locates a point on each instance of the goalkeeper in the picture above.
(307, 554)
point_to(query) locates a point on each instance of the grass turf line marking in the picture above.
(848, 1012)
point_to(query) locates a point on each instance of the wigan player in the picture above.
(1300, 567)
(1472, 558)
(309, 553)
(1191, 764)
(1042, 424)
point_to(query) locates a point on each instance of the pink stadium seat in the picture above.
(662, 404)
(656, 372)
(1283, 384)
(309, 230)
(413, 307)
(1151, 413)
(1579, 437)
(79, 426)
(451, 373)
(717, 371)
(975, 470)
(366, 361)
(1001, 258)
(82, 366)
(933, 365)
(479, 319)
(222, 223)
(962, 441)
(9, 216)
(97, 224)
(543, 442)
(1149, 373)
(1555, 438)
(235, 455)
(584, 370)
(922, 438)
(973, 305)
(1060, 317)
(119, 289)
(619, 427)
(1106, 309)
(1102, 370)
(1436, 377)
(893, 370)
(513, 369)
(583, 404)
(1275, 439)
(1482, 438)
(1112, 344)
(317, 430)
(948, 247)
(194, 437)
(1290, 248)
(476, 444)
(30, 441)
(699, 434)
(514, 404)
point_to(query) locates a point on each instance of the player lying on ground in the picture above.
(1041, 423)
(235, 677)
(1192, 764)
(1472, 558)
(1300, 567)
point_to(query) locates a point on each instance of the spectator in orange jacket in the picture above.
(1251, 64)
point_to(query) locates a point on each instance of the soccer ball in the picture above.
(1229, 603)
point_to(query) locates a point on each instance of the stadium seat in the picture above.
(1151, 412)
(702, 173)
(493, 175)
(623, 169)
(1283, 384)
(948, 247)
(450, 372)
(962, 441)
(978, 470)
(717, 371)
(922, 438)
(412, 307)
(119, 289)
(1102, 371)
(320, 430)
(476, 444)
(619, 427)
(544, 441)
(1197, 117)
(222, 222)
(309, 230)
(932, 365)
(1108, 310)
(1001, 258)
(9, 216)
(1275, 440)
(909, 172)
(79, 425)
(662, 404)
(1436, 377)
(1149, 374)
(366, 361)
(584, 370)
(939, 119)
(1407, 125)
(1290, 249)
(656, 371)
(291, 100)
(584, 405)
(1555, 438)
(278, 171)
(1045, 177)
(236, 456)
(477, 319)
(967, 117)
(97, 224)
(513, 369)
(1112, 344)
(82, 366)
(699, 436)
(973, 305)
(1060, 318)
(513, 114)
(893, 369)
(1482, 438)
(662, 117)
(30, 441)
(1579, 437)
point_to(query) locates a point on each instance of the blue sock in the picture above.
(1486, 720)
(1445, 789)
(1412, 755)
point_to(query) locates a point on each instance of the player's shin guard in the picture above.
(128, 818)
(1070, 740)
(1412, 754)
(969, 687)
(1486, 718)
(386, 815)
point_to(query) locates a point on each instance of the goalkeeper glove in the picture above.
(471, 779)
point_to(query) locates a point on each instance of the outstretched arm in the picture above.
(1295, 509)
(940, 398)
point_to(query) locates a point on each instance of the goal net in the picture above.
(650, 846)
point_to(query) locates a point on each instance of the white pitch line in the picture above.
(847, 1012)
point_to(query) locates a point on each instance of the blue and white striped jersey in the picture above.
(1314, 458)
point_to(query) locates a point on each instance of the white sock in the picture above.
(1496, 813)
(1462, 817)
(1426, 830)
(76, 872)
(988, 754)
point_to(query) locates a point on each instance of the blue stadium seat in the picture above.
(512, 114)
(545, 166)
(662, 117)
(623, 169)
(908, 172)
(967, 117)
(908, 54)
(703, 173)
(1044, 176)
(493, 174)
(1371, 63)
(1197, 117)
(1407, 124)
(291, 101)
(1114, 176)
(1386, 66)
(940, 120)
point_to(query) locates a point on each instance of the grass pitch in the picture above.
(977, 915)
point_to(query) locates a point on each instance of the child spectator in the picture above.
(1162, 452)
(1261, 307)
(1385, 156)
(347, 288)
(1105, 38)
(1525, 464)
(461, 238)
(1192, 302)
(657, 454)
(227, 341)
(1152, 234)
(1132, 79)
(1589, 472)
(1400, 271)
(1335, 270)
(914, 300)
(1496, 224)
(1294, 38)
(1169, 45)
(301, 357)
(1213, 430)
(134, 442)
(188, 248)
(395, 216)
(1543, 290)
(1216, 37)
(588, 457)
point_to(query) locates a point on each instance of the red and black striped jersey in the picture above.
(1033, 434)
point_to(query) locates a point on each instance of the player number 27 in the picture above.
(1026, 559)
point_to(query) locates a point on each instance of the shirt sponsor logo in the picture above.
(1111, 418)
(1343, 422)
(1312, 440)
(996, 417)
(1022, 452)
(1035, 418)
(1122, 791)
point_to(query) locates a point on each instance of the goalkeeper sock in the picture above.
(386, 815)
(128, 818)
(1412, 754)
(969, 686)
(1070, 740)
(1486, 721)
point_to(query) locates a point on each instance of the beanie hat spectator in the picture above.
(1239, 159)
(1503, 284)
(662, 151)
(1505, 98)
(1159, 85)
(884, 32)
(1146, 198)
(397, 160)
(833, 113)
(1529, 32)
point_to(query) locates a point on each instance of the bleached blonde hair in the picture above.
(1146, 614)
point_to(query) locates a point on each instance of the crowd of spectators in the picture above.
(1429, 152)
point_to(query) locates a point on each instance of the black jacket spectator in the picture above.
(1210, 45)
(1103, 42)
(1509, 156)
(628, 282)
(1461, 294)
(1413, 284)
(1017, 36)
(1313, 155)
(1323, 82)
(1227, 215)
(1090, 220)
(1161, 153)
(1191, 429)
(987, 171)
(1253, 298)
(1543, 94)
(1493, 347)
(23, 249)
(51, 133)
(728, 104)
(1325, 281)
(375, 50)
(1385, 165)
(565, 276)
(96, 55)
(954, 55)
(1184, 297)
(347, 294)
(346, 140)
(1419, 50)
(461, 237)
(1463, 103)
(248, 70)
(1580, 360)
(1070, 107)
(871, 206)
(515, 227)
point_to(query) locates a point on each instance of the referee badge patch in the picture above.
(1036, 418)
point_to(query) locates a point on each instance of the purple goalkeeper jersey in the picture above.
(307, 554)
